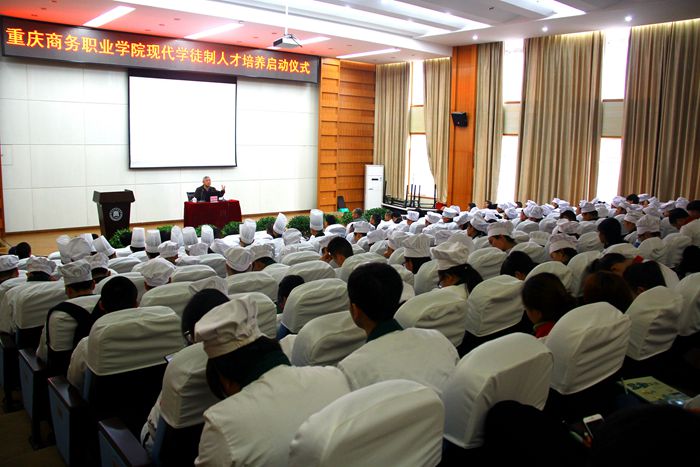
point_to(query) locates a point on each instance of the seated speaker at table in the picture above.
(206, 191)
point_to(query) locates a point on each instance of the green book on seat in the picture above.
(654, 391)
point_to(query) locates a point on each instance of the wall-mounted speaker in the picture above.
(459, 118)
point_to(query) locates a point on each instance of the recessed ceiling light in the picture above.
(366, 54)
(109, 16)
(213, 31)
(545, 29)
(628, 18)
(475, 37)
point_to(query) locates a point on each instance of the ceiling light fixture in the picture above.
(547, 8)
(545, 29)
(214, 31)
(109, 16)
(475, 37)
(628, 18)
(367, 54)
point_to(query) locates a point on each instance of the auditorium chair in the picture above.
(123, 264)
(406, 275)
(396, 422)
(258, 281)
(487, 261)
(125, 366)
(277, 271)
(494, 309)
(675, 243)
(426, 279)
(398, 256)
(175, 296)
(578, 266)
(298, 257)
(654, 316)
(192, 273)
(312, 270)
(351, 263)
(589, 345)
(29, 306)
(533, 250)
(557, 268)
(514, 367)
(326, 340)
(438, 309)
(215, 261)
(313, 299)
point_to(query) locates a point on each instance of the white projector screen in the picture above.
(181, 123)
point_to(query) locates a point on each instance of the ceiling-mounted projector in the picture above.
(287, 41)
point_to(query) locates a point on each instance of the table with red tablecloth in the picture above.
(218, 214)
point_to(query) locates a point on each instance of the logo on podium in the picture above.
(116, 214)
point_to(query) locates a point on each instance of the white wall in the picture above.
(64, 134)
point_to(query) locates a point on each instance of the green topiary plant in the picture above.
(121, 238)
(368, 213)
(263, 222)
(232, 228)
(302, 224)
(165, 232)
(346, 219)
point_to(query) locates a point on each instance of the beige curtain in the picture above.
(660, 143)
(437, 74)
(391, 123)
(488, 120)
(560, 120)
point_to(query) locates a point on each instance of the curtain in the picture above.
(488, 120)
(437, 74)
(660, 143)
(391, 123)
(560, 119)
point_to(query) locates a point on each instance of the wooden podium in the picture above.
(114, 210)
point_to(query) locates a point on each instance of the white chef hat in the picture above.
(291, 236)
(433, 217)
(75, 272)
(397, 239)
(316, 219)
(462, 218)
(449, 213)
(219, 246)
(176, 236)
(682, 202)
(456, 208)
(189, 236)
(417, 246)
(280, 223)
(88, 238)
(376, 236)
(534, 211)
(246, 231)
(102, 245)
(450, 254)
(479, 223)
(633, 216)
(239, 259)
(644, 197)
(213, 282)
(8, 262)
(198, 249)
(561, 241)
(207, 234)
(228, 327)
(263, 250)
(187, 260)
(157, 272)
(412, 215)
(362, 227)
(618, 200)
(168, 249)
(565, 226)
(78, 248)
(98, 260)
(511, 213)
(153, 240)
(652, 211)
(39, 264)
(336, 229)
(587, 207)
(500, 228)
(62, 244)
(648, 223)
(138, 237)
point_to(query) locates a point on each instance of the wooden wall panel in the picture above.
(460, 180)
(346, 131)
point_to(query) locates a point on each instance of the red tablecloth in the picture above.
(218, 214)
